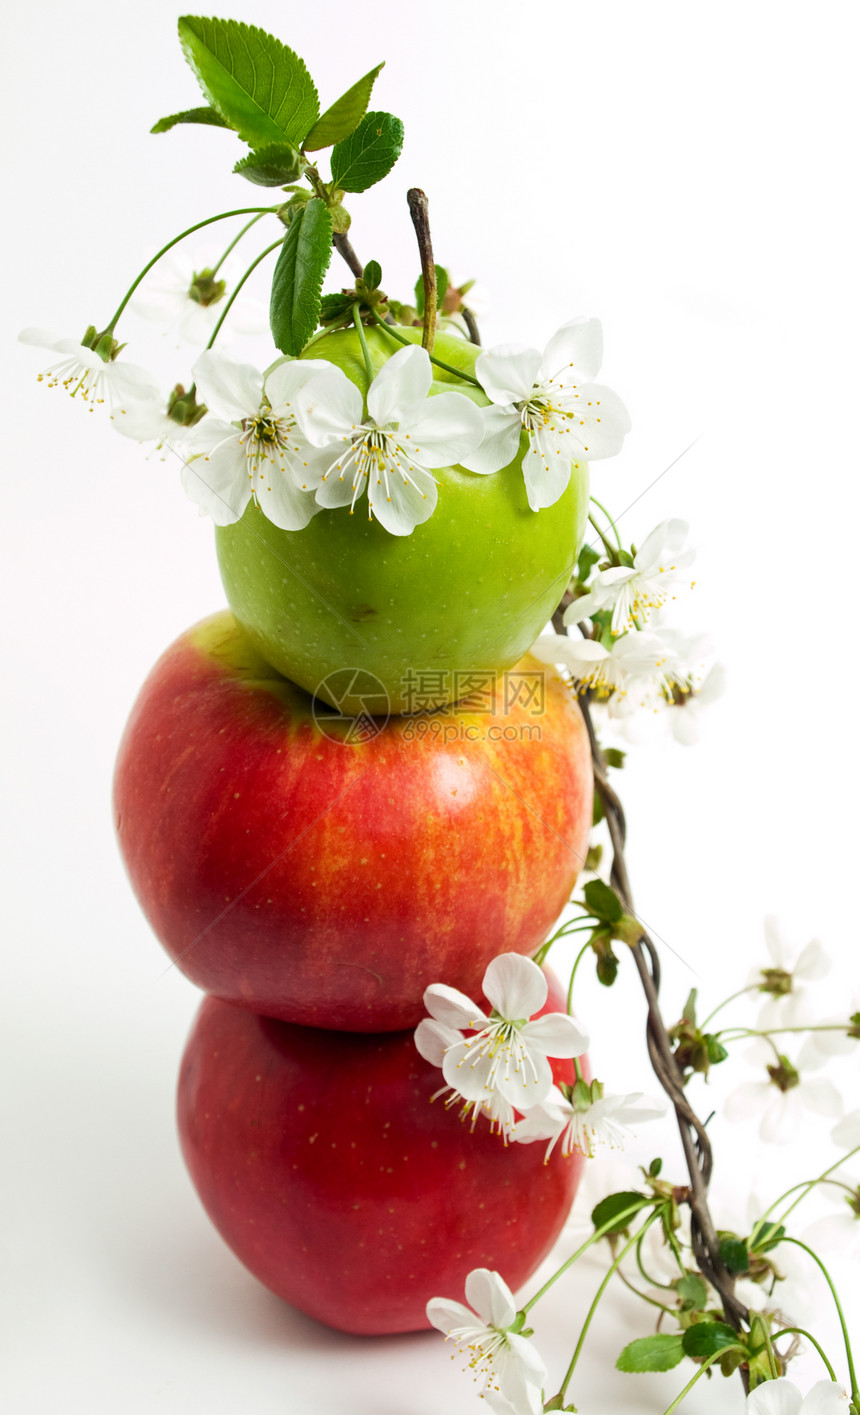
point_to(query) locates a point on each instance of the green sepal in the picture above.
(614, 1204)
(659, 1352)
(602, 902)
(716, 1051)
(654, 1168)
(706, 1338)
(368, 154)
(334, 307)
(344, 116)
(258, 85)
(271, 166)
(209, 116)
(302, 263)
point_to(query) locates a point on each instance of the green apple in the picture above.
(468, 590)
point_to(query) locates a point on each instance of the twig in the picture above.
(343, 246)
(418, 210)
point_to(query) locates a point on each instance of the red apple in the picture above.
(323, 876)
(324, 1166)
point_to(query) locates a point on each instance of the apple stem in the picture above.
(418, 210)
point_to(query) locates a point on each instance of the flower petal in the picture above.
(813, 962)
(779, 1397)
(401, 503)
(515, 986)
(218, 481)
(446, 1315)
(284, 381)
(600, 423)
(282, 502)
(452, 1008)
(546, 478)
(508, 372)
(400, 387)
(446, 428)
(821, 1095)
(500, 442)
(556, 1034)
(432, 1040)
(847, 1133)
(491, 1298)
(825, 1398)
(232, 391)
(579, 344)
(329, 408)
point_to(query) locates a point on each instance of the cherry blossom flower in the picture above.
(249, 445)
(782, 1397)
(189, 298)
(551, 399)
(392, 453)
(586, 1118)
(821, 1047)
(505, 1054)
(838, 1233)
(508, 1363)
(782, 1099)
(686, 709)
(84, 374)
(788, 1005)
(432, 1039)
(638, 669)
(633, 594)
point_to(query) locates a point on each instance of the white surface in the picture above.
(686, 174)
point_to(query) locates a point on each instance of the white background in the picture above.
(686, 173)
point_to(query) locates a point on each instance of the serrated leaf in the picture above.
(210, 116)
(602, 902)
(659, 1352)
(272, 166)
(368, 154)
(344, 116)
(735, 1254)
(257, 84)
(704, 1338)
(299, 274)
(693, 1289)
(614, 1205)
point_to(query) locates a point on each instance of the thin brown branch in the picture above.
(419, 211)
(343, 246)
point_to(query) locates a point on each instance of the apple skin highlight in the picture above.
(326, 1168)
(329, 884)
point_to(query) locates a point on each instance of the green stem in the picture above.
(562, 1390)
(772, 1362)
(564, 932)
(362, 339)
(800, 1331)
(602, 508)
(607, 545)
(779, 1031)
(241, 211)
(852, 1375)
(753, 987)
(666, 1286)
(251, 268)
(580, 955)
(236, 239)
(644, 1295)
(807, 1185)
(708, 1361)
(449, 368)
(595, 1237)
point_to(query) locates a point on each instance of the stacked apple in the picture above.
(314, 871)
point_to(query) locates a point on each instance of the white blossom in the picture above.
(432, 1039)
(85, 375)
(634, 593)
(503, 1054)
(821, 1046)
(847, 1133)
(249, 445)
(508, 1364)
(788, 1005)
(782, 1397)
(551, 399)
(586, 1119)
(638, 670)
(781, 1101)
(390, 454)
(189, 299)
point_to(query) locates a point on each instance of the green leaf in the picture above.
(299, 274)
(272, 166)
(602, 902)
(614, 1204)
(597, 812)
(693, 1290)
(614, 757)
(368, 154)
(659, 1352)
(607, 965)
(344, 116)
(734, 1253)
(654, 1168)
(191, 115)
(767, 1235)
(257, 84)
(372, 275)
(334, 307)
(704, 1338)
(588, 558)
